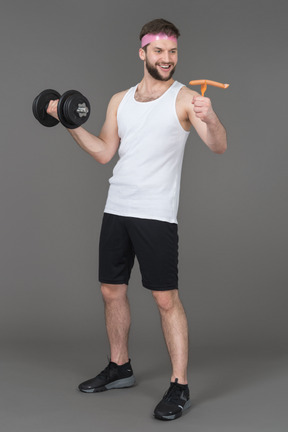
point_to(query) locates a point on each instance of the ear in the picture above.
(142, 54)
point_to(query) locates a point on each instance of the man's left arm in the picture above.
(207, 124)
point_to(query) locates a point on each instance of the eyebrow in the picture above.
(172, 49)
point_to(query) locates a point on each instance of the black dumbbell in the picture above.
(73, 108)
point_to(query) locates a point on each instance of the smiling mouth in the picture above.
(165, 67)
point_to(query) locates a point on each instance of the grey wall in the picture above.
(233, 210)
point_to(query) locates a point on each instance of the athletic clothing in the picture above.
(155, 244)
(146, 178)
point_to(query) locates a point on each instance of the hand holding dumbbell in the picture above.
(72, 109)
(52, 109)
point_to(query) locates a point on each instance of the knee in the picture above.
(113, 292)
(166, 300)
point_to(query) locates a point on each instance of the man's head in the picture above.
(159, 48)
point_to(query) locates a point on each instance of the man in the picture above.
(149, 124)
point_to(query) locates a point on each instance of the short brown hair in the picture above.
(159, 26)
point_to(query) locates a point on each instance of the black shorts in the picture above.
(155, 244)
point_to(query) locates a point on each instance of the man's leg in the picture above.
(119, 373)
(175, 330)
(174, 324)
(117, 316)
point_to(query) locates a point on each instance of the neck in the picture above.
(151, 85)
(148, 91)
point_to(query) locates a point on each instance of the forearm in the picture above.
(216, 137)
(90, 143)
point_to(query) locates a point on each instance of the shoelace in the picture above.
(106, 372)
(173, 393)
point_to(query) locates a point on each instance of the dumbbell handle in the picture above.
(80, 109)
(83, 109)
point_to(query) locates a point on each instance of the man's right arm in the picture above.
(103, 147)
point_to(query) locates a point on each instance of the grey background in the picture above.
(232, 219)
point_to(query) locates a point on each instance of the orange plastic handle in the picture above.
(204, 84)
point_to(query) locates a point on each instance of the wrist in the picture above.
(212, 120)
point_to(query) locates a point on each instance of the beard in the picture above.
(153, 71)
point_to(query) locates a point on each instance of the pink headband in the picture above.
(152, 37)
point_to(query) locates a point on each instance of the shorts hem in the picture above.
(161, 288)
(106, 281)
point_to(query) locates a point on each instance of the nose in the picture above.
(166, 57)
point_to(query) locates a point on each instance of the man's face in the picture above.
(161, 59)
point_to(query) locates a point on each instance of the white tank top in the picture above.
(146, 178)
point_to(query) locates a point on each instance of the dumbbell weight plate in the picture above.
(73, 109)
(40, 105)
(77, 109)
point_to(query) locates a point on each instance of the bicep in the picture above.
(109, 131)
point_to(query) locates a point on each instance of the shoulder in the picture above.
(185, 95)
(115, 102)
(184, 106)
(117, 98)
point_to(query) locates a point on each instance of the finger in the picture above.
(202, 98)
(199, 100)
(203, 102)
(54, 102)
(200, 105)
(50, 104)
(198, 110)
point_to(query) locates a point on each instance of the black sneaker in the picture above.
(112, 377)
(174, 402)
